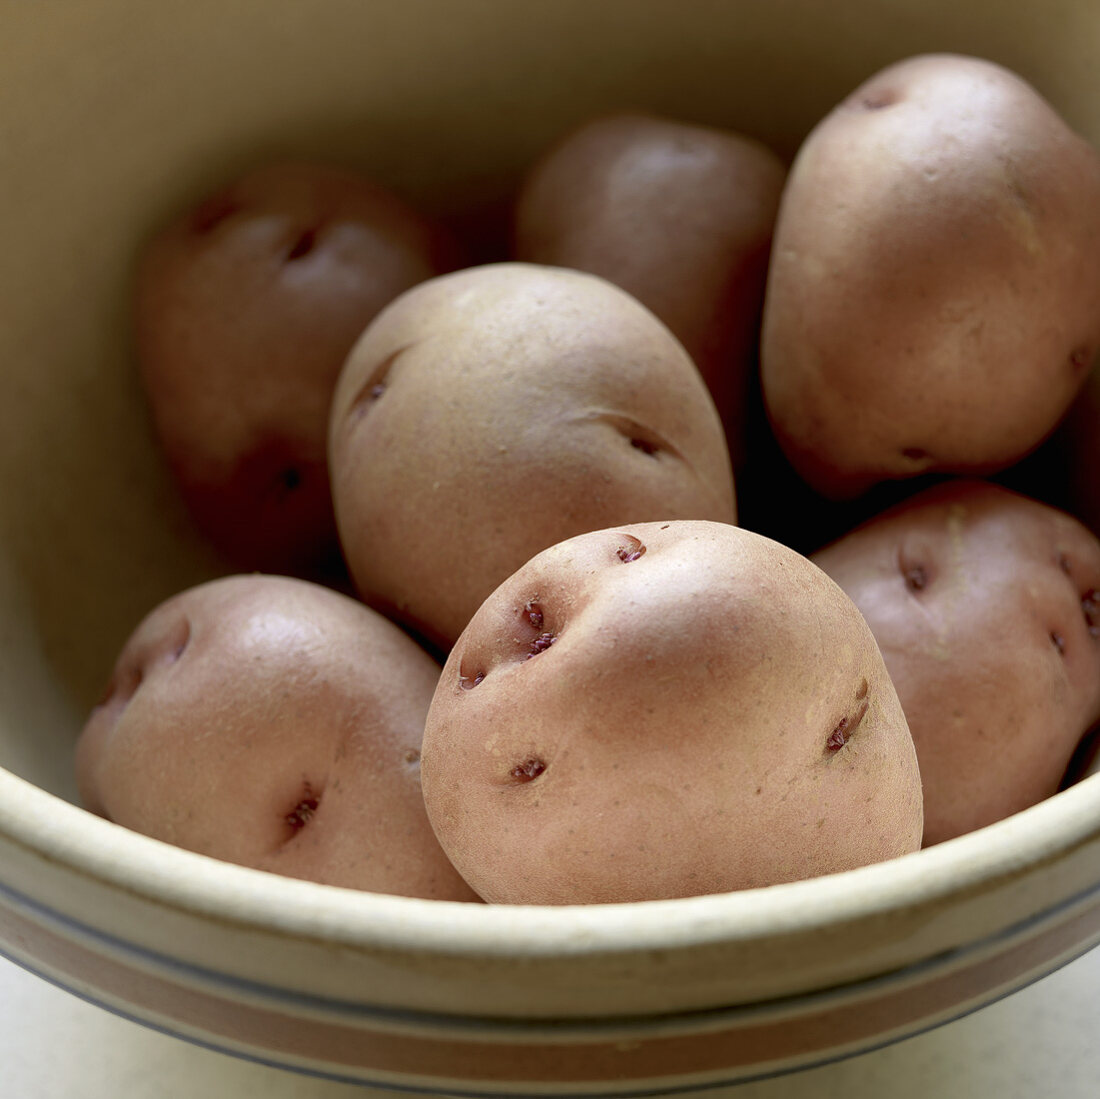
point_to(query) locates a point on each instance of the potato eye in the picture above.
(1059, 642)
(1090, 606)
(916, 577)
(303, 811)
(212, 213)
(305, 244)
(378, 380)
(631, 550)
(1080, 358)
(527, 770)
(540, 645)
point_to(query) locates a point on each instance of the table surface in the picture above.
(1040, 1042)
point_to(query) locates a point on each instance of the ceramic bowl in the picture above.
(114, 115)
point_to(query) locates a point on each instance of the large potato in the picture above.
(986, 606)
(488, 414)
(678, 215)
(933, 299)
(245, 311)
(276, 724)
(663, 710)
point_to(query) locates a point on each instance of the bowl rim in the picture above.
(53, 829)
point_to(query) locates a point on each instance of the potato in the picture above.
(662, 710)
(678, 215)
(986, 605)
(245, 310)
(932, 300)
(273, 723)
(488, 414)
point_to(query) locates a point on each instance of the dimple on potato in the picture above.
(245, 309)
(273, 723)
(932, 298)
(678, 215)
(664, 710)
(488, 414)
(986, 606)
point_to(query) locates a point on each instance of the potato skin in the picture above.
(986, 606)
(678, 215)
(931, 300)
(488, 414)
(245, 309)
(712, 714)
(273, 723)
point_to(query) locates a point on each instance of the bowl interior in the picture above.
(114, 115)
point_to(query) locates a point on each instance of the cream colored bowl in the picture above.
(115, 113)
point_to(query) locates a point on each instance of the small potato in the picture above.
(663, 710)
(245, 310)
(678, 215)
(986, 606)
(932, 300)
(273, 723)
(488, 414)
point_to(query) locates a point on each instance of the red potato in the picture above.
(932, 300)
(488, 414)
(273, 723)
(245, 310)
(986, 606)
(663, 710)
(680, 216)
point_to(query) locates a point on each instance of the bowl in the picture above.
(113, 116)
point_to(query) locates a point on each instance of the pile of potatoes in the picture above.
(729, 530)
